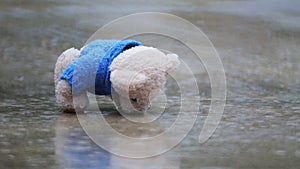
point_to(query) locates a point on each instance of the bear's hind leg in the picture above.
(62, 88)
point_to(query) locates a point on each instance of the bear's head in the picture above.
(137, 75)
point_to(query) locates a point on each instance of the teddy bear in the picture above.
(130, 73)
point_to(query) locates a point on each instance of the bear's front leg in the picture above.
(66, 101)
(80, 101)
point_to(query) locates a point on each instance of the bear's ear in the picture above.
(172, 62)
(122, 79)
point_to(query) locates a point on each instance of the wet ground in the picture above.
(258, 42)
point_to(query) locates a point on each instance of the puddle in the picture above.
(260, 53)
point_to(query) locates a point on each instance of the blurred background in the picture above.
(257, 40)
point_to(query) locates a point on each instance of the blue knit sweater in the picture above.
(92, 68)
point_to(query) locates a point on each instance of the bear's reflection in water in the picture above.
(74, 149)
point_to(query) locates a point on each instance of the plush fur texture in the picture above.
(63, 93)
(137, 75)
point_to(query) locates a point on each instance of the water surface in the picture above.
(258, 42)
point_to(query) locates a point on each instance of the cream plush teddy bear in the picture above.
(132, 74)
